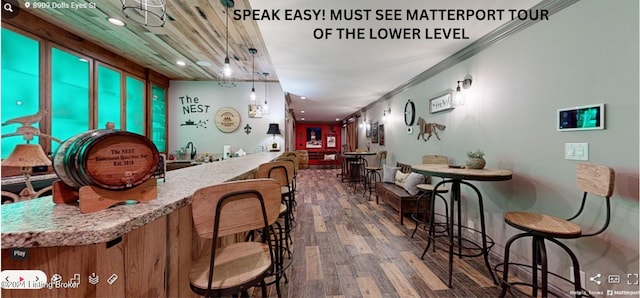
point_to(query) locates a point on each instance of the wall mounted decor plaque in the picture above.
(227, 119)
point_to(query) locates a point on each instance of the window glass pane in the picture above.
(135, 105)
(20, 83)
(69, 95)
(158, 100)
(108, 96)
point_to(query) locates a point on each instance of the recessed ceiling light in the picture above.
(116, 22)
(302, 118)
(302, 112)
(181, 63)
(204, 63)
(337, 119)
(303, 97)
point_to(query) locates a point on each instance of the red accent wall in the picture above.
(326, 130)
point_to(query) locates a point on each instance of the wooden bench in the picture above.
(330, 163)
(398, 198)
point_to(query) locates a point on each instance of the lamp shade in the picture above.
(274, 129)
(27, 155)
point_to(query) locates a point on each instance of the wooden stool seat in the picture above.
(236, 264)
(373, 168)
(283, 209)
(594, 181)
(232, 208)
(545, 225)
(429, 187)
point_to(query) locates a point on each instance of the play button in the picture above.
(23, 279)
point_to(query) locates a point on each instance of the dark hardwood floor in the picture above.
(347, 246)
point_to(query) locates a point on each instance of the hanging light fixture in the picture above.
(150, 13)
(225, 76)
(253, 97)
(265, 108)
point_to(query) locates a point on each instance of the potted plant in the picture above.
(475, 160)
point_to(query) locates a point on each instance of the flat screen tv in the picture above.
(581, 118)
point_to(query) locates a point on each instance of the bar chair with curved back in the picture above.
(281, 171)
(373, 172)
(421, 215)
(595, 180)
(288, 186)
(226, 209)
(296, 167)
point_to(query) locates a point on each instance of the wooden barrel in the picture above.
(304, 159)
(109, 159)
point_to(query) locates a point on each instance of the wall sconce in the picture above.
(458, 96)
(386, 112)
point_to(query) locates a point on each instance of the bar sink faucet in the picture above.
(193, 149)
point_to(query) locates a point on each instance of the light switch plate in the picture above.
(576, 151)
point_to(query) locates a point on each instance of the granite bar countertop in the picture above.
(41, 223)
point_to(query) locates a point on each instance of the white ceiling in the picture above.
(341, 76)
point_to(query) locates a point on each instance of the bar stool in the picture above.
(373, 172)
(421, 216)
(226, 209)
(281, 171)
(591, 179)
(296, 167)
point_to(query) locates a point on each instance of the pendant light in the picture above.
(253, 97)
(150, 13)
(265, 108)
(226, 75)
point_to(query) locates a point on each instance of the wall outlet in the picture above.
(576, 151)
(583, 277)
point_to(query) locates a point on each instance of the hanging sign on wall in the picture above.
(441, 103)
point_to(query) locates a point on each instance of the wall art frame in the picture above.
(314, 137)
(374, 132)
(331, 141)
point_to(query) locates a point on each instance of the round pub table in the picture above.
(355, 163)
(457, 177)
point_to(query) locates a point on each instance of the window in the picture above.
(135, 105)
(108, 96)
(69, 95)
(20, 83)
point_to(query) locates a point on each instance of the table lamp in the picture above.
(274, 129)
(27, 156)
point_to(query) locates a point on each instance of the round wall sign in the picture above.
(227, 119)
